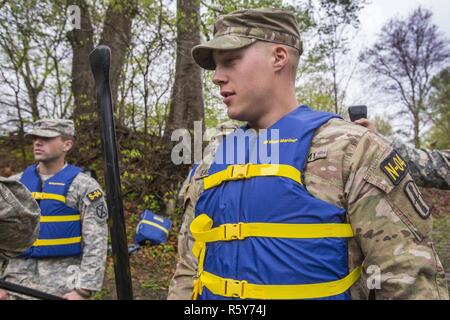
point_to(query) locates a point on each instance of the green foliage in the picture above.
(215, 110)
(324, 68)
(343, 11)
(439, 104)
(101, 295)
(441, 234)
(149, 202)
(383, 126)
(34, 60)
(131, 154)
(317, 94)
(439, 136)
(151, 284)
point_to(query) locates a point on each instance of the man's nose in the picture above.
(38, 141)
(219, 77)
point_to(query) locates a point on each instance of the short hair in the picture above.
(295, 59)
(66, 137)
(294, 56)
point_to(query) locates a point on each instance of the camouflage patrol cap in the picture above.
(244, 27)
(19, 217)
(50, 128)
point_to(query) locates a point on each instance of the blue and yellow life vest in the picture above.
(258, 232)
(60, 225)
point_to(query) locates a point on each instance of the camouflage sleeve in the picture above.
(429, 168)
(181, 285)
(19, 218)
(94, 214)
(16, 176)
(392, 225)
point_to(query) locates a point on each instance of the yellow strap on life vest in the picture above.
(202, 223)
(197, 289)
(202, 231)
(155, 225)
(244, 290)
(247, 171)
(75, 217)
(56, 242)
(48, 196)
(240, 231)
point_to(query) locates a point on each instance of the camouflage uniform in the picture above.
(429, 168)
(61, 275)
(19, 218)
(347, 168)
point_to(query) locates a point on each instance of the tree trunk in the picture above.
(33, 97)
(21, 129)
(335, 86)
(186, 104)
(83, 85)
(117, 35)
(416, 130)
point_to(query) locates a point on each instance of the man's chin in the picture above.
(234, 114)
(42, 159)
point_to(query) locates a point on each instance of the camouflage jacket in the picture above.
(63, 274)
(429, 168)
(390, 221)
(19, 218)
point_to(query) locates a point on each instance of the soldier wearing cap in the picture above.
(69, 256)
(336, 216)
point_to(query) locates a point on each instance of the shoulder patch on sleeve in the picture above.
(416, 199)
(394, 167)
(94, 195)
(101, 212)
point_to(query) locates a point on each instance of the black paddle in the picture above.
(28, 291)
(100, 59)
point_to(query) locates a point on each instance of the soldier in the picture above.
(19, 218)
(68, 258)
(336, 217)
(429, 168)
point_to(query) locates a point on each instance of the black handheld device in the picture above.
(357, 112)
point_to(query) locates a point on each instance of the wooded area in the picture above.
(157, 88)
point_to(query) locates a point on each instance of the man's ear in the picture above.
(281, 57)
(68, 145)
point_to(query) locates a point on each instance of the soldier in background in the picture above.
(19, 218)
(429, 168)
(68, 258)
(346, 166)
